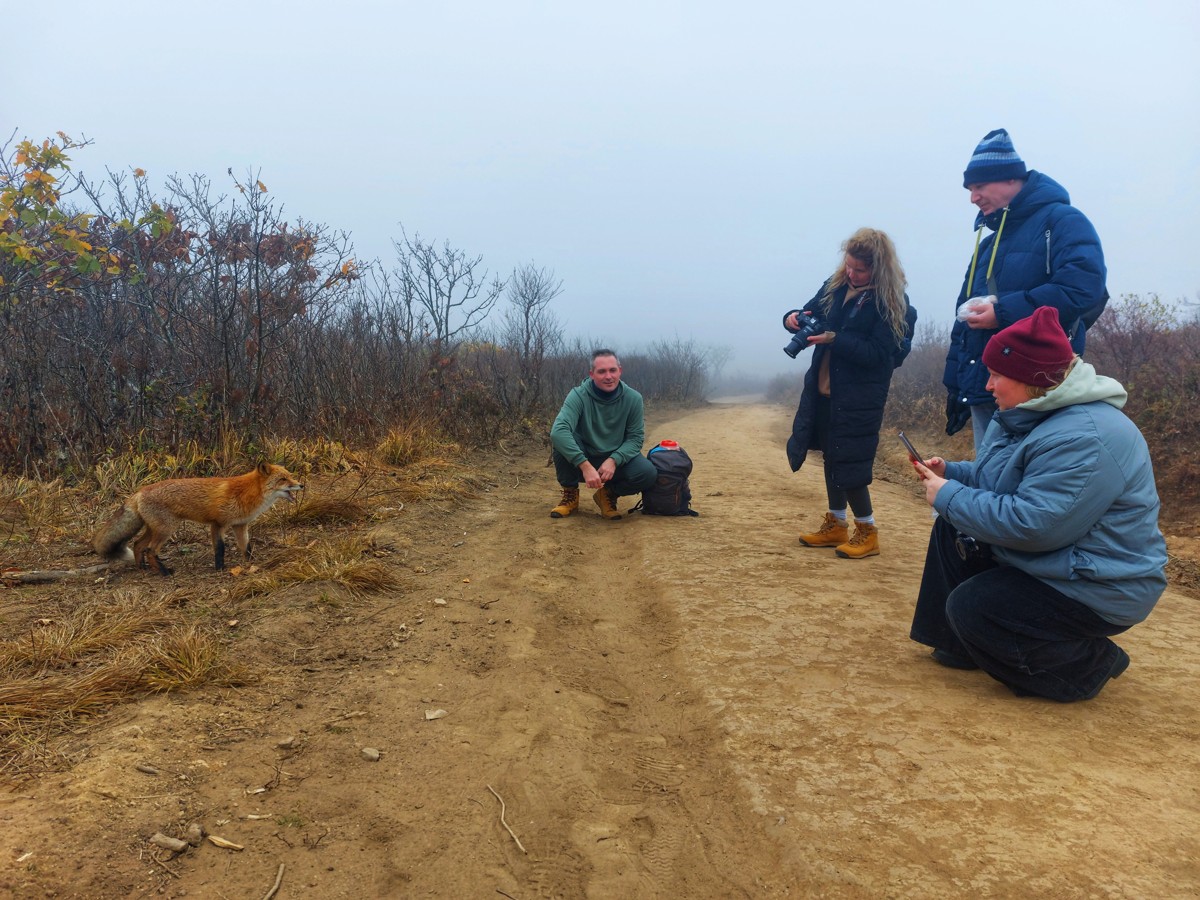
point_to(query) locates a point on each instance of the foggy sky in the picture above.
(686, 169)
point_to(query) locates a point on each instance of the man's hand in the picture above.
(596, 478)
(981, 312)
(608, 469)
(590, 476)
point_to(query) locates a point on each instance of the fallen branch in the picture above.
(505, 824)
(275, 887)
(47, 576)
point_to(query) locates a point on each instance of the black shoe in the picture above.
(953, 660)
(1120, 664)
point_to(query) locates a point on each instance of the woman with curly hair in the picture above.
(868, 328)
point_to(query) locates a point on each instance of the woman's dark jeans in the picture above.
(1019, 630)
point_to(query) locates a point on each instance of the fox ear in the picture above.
(264, 468)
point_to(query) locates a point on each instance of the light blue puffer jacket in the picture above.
(1063, 490)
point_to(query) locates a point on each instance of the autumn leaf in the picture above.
(262, 187)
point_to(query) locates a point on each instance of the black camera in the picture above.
(970, 550)
(810, 324)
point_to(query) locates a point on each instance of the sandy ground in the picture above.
(666, 707)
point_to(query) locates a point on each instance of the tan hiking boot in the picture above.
(831, 533)
(567, 505)
(607, 503)
(864, 543)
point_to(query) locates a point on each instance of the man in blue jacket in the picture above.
(1041, 252)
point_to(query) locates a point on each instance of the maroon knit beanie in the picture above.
(1034, 351)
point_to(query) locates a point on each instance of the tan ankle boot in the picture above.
(864, 543)
(831, 533)
(567, 505)
(607, 503)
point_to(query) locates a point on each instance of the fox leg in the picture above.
(159, 564)
(148, 556)
(241, 534)
(218, 542)
(139, 548)
(145, 550)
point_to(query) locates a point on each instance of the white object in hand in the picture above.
(974, 306)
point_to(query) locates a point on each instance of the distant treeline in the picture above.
(131, 320)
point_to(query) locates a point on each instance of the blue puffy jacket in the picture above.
(1063, 490)
(1048, 254)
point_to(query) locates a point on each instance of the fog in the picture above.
(687, 170)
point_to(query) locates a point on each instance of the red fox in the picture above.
(217, 502)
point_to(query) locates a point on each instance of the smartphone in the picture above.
(912, 451)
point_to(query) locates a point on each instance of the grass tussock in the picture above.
(187, 657)
(326, 511)
(414, 443)
(347, 562)
(30, 508)
(90, 629)
(437, 478)
(101, 654)
(304, 457)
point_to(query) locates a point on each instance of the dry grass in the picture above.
(31, 508)
(436, 478)
(347, 562)
(90, 646)
(92, 628)
(103, 652)
(326, 511)
(413, 443)
(314, 455)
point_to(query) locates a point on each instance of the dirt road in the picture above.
(666, 708)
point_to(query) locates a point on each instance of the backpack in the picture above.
(670, 495)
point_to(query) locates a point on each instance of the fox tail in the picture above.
(111, 540)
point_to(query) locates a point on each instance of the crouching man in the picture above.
(597, 438)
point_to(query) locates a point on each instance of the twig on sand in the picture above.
(505, 824)
(275, 887)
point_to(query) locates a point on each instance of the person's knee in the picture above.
(964, 612)
(639, 472)
(976, 609)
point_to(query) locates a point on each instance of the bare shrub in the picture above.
(1154, 350)
(917, 398)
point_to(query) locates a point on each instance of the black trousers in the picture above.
(632, 478)
(1019, 630)
(858, 498)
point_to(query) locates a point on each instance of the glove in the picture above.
(958, 413)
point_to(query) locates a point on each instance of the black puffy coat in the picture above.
(861, 360)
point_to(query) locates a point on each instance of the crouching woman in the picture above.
(1047, 544)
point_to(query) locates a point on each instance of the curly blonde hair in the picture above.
(875, 249)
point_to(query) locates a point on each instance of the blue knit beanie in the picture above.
(994, 160)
